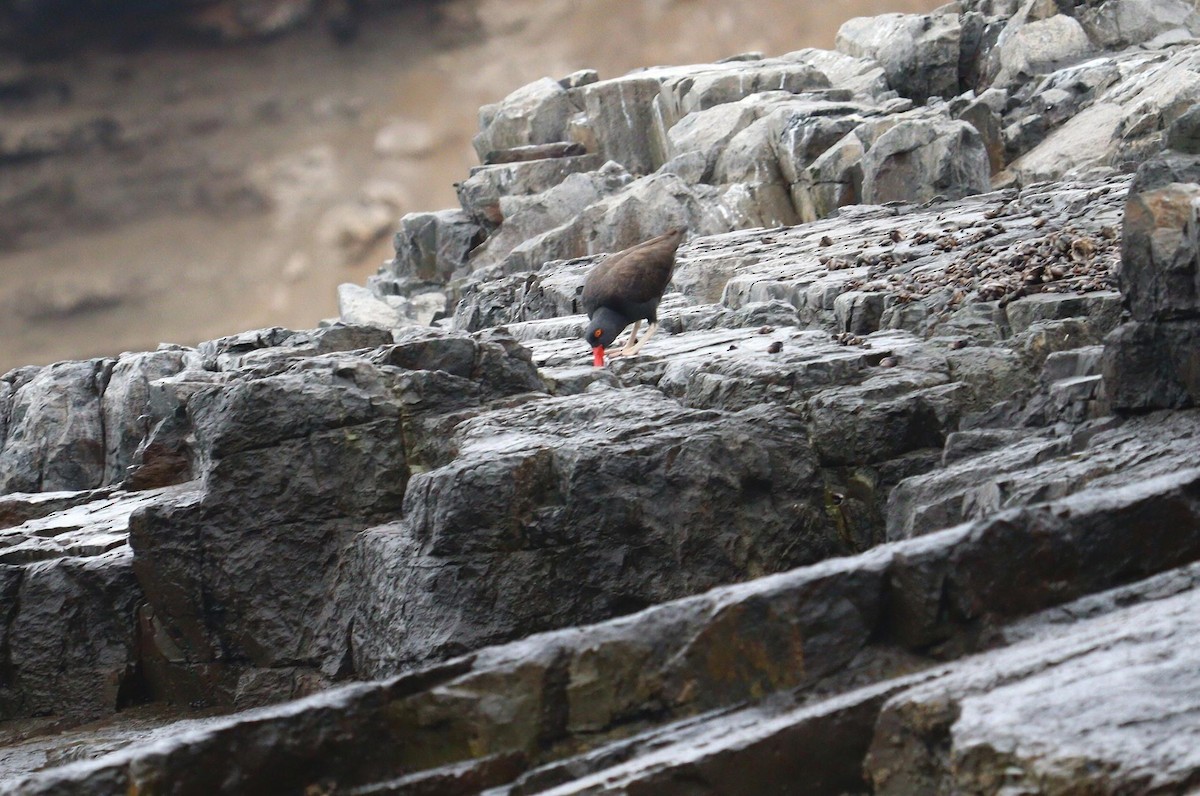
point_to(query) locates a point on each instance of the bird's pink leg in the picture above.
(629, 348)
(630, 351)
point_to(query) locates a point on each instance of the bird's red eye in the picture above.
(597, 333)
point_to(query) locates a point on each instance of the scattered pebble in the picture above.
(775, 347)
(1065, 260)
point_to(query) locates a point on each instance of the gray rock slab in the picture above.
(1041, 468)
(68, 640)
(360, 306)
(919, 53)
(1107, 705)
(536, 113)
(1124, 22)
(128, 415)
(55, 438)
(96, 524)
(242, 343)
(708, 131)
(750, 752)
(1159, 270)
(914, 161)
(1150, 366)
(323, 448)
(804, 627)
(526, 217)
(431, 248)
(863, 77)
(1029, 46)
(480, 193)
(1109, 111)
(1102, 308)
(745, 372)
(554, 493)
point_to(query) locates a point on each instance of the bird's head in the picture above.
(602, 330)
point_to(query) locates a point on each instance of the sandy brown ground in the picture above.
(332, 145)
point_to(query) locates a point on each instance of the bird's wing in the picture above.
(636, 275)
(596, 285)
(643, 278)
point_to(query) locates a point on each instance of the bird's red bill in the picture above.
(598, 356)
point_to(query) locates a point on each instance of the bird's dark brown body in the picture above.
(626, 288)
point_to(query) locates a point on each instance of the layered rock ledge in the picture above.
(904, 498)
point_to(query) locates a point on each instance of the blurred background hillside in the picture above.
(177, 176)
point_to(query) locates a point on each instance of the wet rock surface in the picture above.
(1015, 713)
(70, 594)
(886, 485)
(690, 498)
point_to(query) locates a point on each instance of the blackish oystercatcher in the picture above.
(625, 288)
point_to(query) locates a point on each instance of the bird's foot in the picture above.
(634, 346)
(635, 343)
(629, 350)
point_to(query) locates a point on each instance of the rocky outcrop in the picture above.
(888, 482)
(919, 53)
(911, 108)
(572, 524)
(55, 430)
(871, 635)
(70, 596)
(1161, 283)
(1014, 714)
(340, 425)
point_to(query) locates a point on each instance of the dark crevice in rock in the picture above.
(11, 579)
